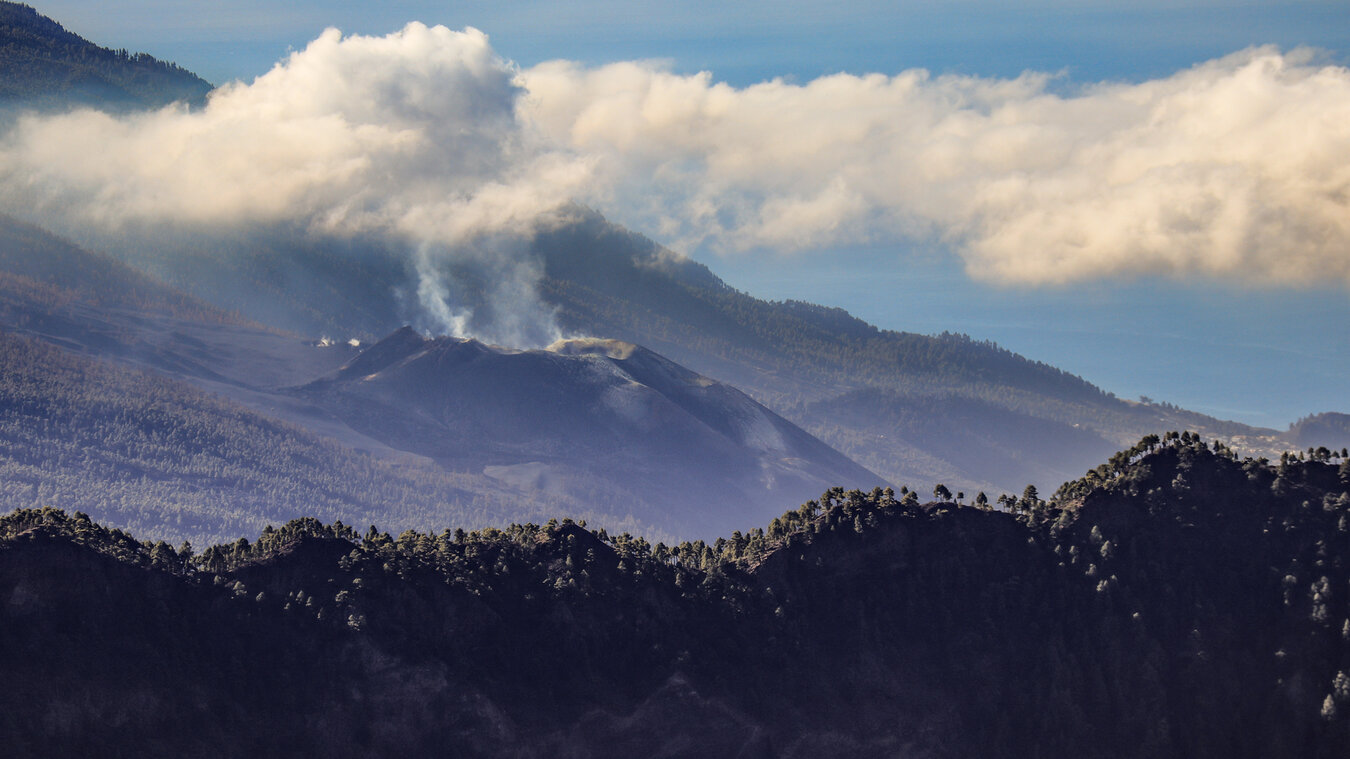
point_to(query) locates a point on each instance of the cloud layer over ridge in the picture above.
(1237, 169)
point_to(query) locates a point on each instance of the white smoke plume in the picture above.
(1238, 168)
(413, 136)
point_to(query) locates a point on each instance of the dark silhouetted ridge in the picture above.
(1177, 601)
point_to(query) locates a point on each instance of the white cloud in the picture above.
(1238, 168)
(356, 131)
(413, 136)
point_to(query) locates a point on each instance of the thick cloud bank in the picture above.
(1238, 168)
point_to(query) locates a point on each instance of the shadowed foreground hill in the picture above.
(1176, 602)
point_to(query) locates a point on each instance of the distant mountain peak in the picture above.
(43, 64)
(406, 346)
(398, 346)
(1325, 429)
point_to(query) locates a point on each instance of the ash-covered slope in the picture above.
(688, 454)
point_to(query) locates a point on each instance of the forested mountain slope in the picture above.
(33, 259)
(911, 407)
(1177, 602)
(609, 280)
(43, 65)
(162, 457)
(1325, 429)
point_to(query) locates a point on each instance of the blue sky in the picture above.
(746, 41)
(1237, 348)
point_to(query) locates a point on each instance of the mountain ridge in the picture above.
(1101, 623)
(42, 64)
